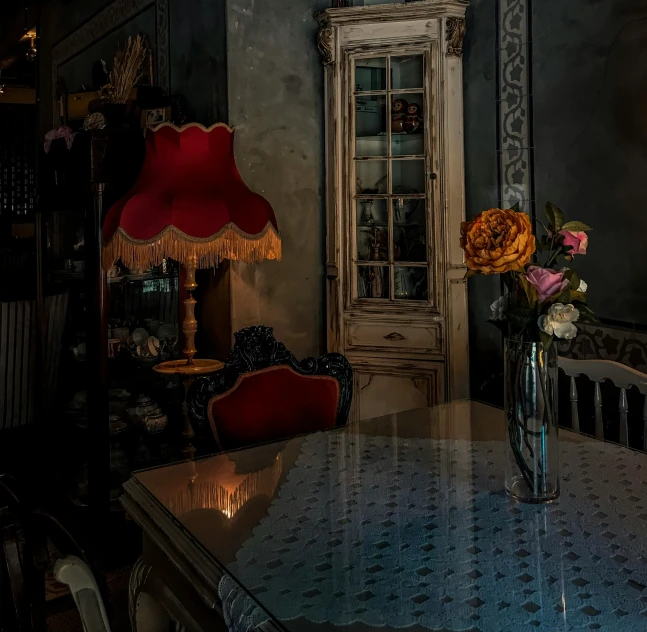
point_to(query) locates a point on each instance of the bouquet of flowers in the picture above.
(542, 300)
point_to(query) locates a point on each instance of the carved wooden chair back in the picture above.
(256, 349)
(25, 559)
(622, 376)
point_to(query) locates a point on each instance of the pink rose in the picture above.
(578, 240)
(547, 281)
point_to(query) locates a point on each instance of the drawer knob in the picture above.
(394, 336)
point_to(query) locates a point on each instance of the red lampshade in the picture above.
(189, 201)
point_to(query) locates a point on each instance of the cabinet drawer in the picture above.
(397, 336)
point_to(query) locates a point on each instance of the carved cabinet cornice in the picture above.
(396, 294)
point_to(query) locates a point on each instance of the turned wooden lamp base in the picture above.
(190, 367)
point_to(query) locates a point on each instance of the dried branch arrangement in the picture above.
(127, 70)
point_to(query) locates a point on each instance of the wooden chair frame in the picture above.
(256, 348)
(622, 376)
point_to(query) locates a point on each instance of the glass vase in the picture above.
(532, 463)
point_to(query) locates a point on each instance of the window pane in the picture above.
(407, 125)
(370, 126)
(372, 282)
(371, 177)
(372, 213)
(409, 230)
(407, 72)
(410, 283)
(370, 74)
(372, 230)
(408, 176)
(372, 243)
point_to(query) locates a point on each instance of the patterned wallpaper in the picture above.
(620, 344)
(514, 115)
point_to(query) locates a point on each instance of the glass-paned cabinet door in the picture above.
(389, 169)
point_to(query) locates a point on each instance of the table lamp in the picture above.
(191, 205)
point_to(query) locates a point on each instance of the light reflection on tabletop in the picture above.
(317, 527)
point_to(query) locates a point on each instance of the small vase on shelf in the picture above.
(532, 463)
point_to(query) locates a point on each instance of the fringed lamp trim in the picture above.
(182, 128)
(228, 243)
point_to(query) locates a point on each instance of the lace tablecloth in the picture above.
(397, 532)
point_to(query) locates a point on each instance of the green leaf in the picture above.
(546, 339)
(521, 317)
(516, 207)
(579, 296)
(587, 316)
(563, 297)
(574, 279)
(509, 279)
(576, 226)
(555, 215)
(529, 290)
(501, 325)
(550, 214)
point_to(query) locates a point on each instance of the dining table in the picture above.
(395, 523)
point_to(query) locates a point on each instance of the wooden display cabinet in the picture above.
(396, 295)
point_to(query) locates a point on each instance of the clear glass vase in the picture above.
(532, 463)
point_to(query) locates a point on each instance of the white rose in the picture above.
(582, 287)
(559, 321)
(498, 308)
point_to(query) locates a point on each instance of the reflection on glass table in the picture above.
(402, 522)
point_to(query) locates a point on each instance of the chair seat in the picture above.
(273, 404)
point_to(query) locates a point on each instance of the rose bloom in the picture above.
(578, 240)
(559, 321)
(498, 241)
(548, 282)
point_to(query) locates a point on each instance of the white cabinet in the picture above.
(396, 296)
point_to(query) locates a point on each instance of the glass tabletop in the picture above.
(402, 522)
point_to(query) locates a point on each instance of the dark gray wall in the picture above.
(78, 70)
(199, 58)
(590, 117)
(197, 30)
(58, 19)
(276, 104)
(481, 180)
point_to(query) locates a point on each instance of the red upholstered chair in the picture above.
(265, 394)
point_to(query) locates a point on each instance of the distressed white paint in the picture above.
(429, 345)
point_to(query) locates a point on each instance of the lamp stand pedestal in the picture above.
(191, 367)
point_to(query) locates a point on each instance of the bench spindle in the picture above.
(623, 406)
(597, 403)
(575, 416)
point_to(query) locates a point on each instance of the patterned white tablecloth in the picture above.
(395, 532)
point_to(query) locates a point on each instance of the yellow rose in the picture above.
(497, 241)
